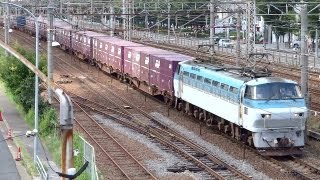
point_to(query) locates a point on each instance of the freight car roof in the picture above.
(150, 50)
(172, 56)
(120, 42)
(117, 41)
(91, 33)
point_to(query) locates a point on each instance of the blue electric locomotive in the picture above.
(267, 112)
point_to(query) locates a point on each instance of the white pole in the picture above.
(36, 93)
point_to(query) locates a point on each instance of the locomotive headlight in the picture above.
(266, 116)
(299, 114)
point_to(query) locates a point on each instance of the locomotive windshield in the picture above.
(273, 91)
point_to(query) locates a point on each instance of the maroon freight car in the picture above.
(139, 72)
(62, 34)
(117, 54)
(162, 69)
(82, 43)
(110, 54)
(42, 23)
(132, 61)
(43, 27)
(102, 52)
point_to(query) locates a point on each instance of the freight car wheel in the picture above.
(209, 122)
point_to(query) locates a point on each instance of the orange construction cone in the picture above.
(9, 136)
(19, 155)
(1, 116)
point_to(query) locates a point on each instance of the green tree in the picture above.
(276, 16)
(19, 79)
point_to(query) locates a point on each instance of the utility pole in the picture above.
(212, 24)
(238, 38)
(6, 26)
(49, 53)
(304, 58)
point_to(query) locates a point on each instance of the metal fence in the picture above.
(43, 173)
(286, 57)
(89, 155)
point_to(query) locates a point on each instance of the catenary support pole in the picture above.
(124, 19)
(130, 5)
(146, 21)
(6, 26)
(212, 24)
(316, 48)
(238, 38)
(61, 6)
(112, 24)
(169, 16)
(49, 54)
(269, 34)
(304, 57)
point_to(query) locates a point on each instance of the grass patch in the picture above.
(79, 160)
(53, 143)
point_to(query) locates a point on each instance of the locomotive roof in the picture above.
(233, 74)
(223, 70)
(266, 80)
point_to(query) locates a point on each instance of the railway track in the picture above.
(297, 167)
(134, 117)
(118, 162)
(208, 165)
(116, 158)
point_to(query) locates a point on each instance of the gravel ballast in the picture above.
(241, 165)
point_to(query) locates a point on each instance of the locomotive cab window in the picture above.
(277, 90)
(249, 92)
(273, 91)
